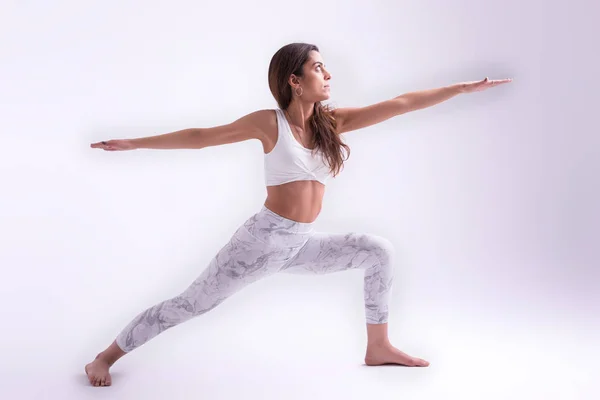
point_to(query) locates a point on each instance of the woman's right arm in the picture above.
(244, 128)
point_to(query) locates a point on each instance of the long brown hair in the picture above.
(287, 61)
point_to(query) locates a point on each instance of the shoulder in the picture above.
(259, 121)
(334, 115)
(264, 124)
(265, 120)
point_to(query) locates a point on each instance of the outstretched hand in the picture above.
(113, 145)
(478, 86)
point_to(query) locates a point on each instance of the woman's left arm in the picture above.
(352, 118)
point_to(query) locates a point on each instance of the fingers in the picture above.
(105, 145)
(487, 83)
(498, 81)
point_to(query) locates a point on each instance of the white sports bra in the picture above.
(290, 161)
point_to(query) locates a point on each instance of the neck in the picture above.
(299, 113)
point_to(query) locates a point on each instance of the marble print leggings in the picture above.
(265, 244)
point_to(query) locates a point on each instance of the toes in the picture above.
(422, 363)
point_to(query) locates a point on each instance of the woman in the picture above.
(302, 148)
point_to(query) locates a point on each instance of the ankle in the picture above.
(377, 335)
(378, 342)
(103, 357)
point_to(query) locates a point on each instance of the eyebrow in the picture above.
(319, 62)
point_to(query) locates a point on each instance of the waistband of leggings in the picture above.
(303, 226)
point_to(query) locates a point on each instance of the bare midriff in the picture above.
(299, 201)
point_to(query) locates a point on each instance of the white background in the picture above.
(490, 198)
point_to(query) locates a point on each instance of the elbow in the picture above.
(402, 105)
(197, 138)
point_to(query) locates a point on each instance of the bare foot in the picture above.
(388, 354)
(97, 372)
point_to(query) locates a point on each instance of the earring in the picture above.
(301, 91)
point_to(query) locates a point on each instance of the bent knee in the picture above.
(381, 247)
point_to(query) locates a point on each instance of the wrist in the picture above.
(134, 143)
(458, 87)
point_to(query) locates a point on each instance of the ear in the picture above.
(294, 80)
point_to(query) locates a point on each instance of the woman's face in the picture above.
(316, 79)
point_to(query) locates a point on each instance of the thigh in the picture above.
(331, 252)
(243, 260)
